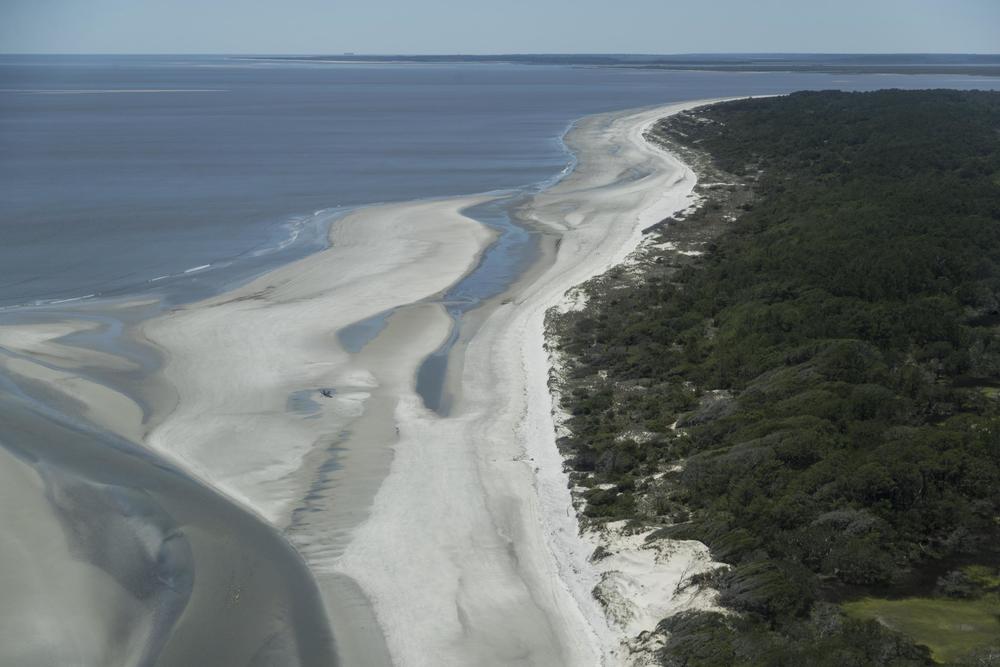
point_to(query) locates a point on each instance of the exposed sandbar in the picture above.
(472, 553)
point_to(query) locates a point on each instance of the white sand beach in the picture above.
(458, 529)
(235, 360)
(472, 553)
(238, 363)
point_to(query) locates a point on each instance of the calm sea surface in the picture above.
(183, 174)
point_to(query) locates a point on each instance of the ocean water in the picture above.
(181, 175)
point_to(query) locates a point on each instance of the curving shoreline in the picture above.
(238, 360)
(467, 553)
(273, 410)
(432, 539)
(471, 554)
(458, 529)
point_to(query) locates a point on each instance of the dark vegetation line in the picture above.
(826, 372)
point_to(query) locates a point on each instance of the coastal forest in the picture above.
(804, 374)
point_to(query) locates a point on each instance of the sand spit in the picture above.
(273, 411)
(236, 361)
(472, 553)
(469, 551)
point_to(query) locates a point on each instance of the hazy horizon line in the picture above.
(502, 53)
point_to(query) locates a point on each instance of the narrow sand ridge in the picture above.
(471, 555)
(238, 360)
(33, 354)
(470, 551)
(273, 411)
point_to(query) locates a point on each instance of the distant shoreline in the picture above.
(954, 64)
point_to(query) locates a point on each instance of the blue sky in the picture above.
(498, 26)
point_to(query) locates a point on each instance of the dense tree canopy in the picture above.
(827, 371)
